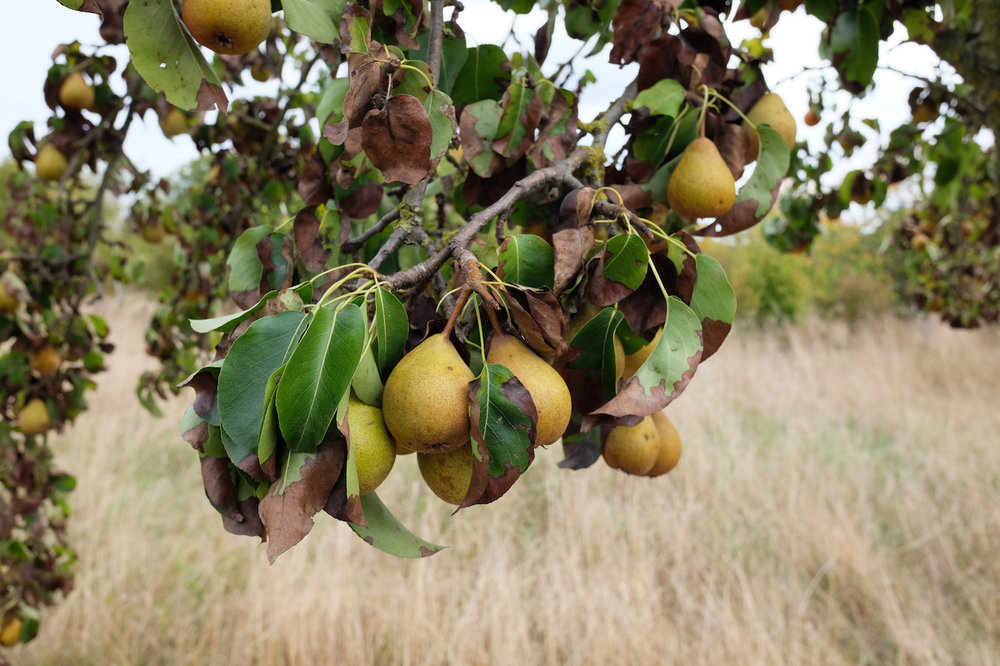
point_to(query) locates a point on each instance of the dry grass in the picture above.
(836, 504)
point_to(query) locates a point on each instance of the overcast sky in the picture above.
(32, 30)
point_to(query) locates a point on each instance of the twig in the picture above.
(353, 244)
(435, 43)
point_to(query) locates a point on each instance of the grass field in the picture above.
(838, 502)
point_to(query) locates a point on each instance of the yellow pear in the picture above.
(633, 449)
(636, 359)
(231, 27)
(426, 397)
(373, 446)
(50, 163)
(174, 123)
(10, 632)
(34, 419)
(8, 301)
(701, 184)
(76, 93)
(547, 387)
(46, 361)
(448, 474)
(770, 110)
(669, 452)
(153, 233)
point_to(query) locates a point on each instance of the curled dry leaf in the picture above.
(397, 139)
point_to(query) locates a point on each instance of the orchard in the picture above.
(420, 246)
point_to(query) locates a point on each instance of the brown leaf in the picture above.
(210, 96)
(478, 191)
(308, 240)
(314, 187)
(216, 475)
(539, 318)
(474, 145)
(363, 201)
(250, 524)
(731, 140)
(549, 148)
(287, 512)
(525, 128)
(636, 23)
(574, 236)
(352, 12)
(397, 139)
(714, 334)
(600, 290)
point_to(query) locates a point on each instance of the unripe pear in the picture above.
(770, 110)
(153, 232)
(50, 163)
(547, 387)
(701, 184)
(633, 449)
(10, 633)
(230, 27)
(76, 93)
(669, 452)
(34, 419)
(426, 397)
(373, 446)
(174, 123)
(448, 474)
(636, 359)
(46, 361)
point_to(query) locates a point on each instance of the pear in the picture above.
(34, 419)
(770, 110)
(448, 474)
(633, 449)
(669, 452)
(426, 397)
(50, 163)
(547, 387)
(76, 93)
(636, 359)
(46, 361)
(174, 123)
(230, 27)
(10, 630)
(812, 118)
(153, 232)
(701, 184)
(373, 446)
(8, 301)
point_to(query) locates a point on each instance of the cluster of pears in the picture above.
(650, 448)
(230, 27)
(701, 184)
(426, 406)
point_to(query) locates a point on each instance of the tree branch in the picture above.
(435, 43)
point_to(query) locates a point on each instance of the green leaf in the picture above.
(318, 375)
(713, 297)
(503, 424)
(214, 447)
(167, 57)
(772, 165)
(330, 108)
(626, 259)
(244, 266)
(72, 4)
(856, 35)
(479, 77)
(487, 114)
(664, 98)
(512, 131)
(227, 323)
(454, 53)
(386, 533)
(267, 443)
(316, 19)
(441, 113)
(822, 9)
(597, 339)
(392, 328)
(527, 260)
(265, 346)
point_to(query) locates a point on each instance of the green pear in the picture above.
(373, 446)
(547, 387)
(426, 397)
(770, 110)
(701, 185)
(448, 474)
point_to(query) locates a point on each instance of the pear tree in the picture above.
(430, 247)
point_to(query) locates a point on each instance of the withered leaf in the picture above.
(397, 139)
(308, 240)
(636, 22)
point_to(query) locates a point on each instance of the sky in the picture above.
(794, 41)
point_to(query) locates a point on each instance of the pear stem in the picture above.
(494, 321)
(463, 296)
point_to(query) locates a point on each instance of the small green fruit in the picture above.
(373, 446)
